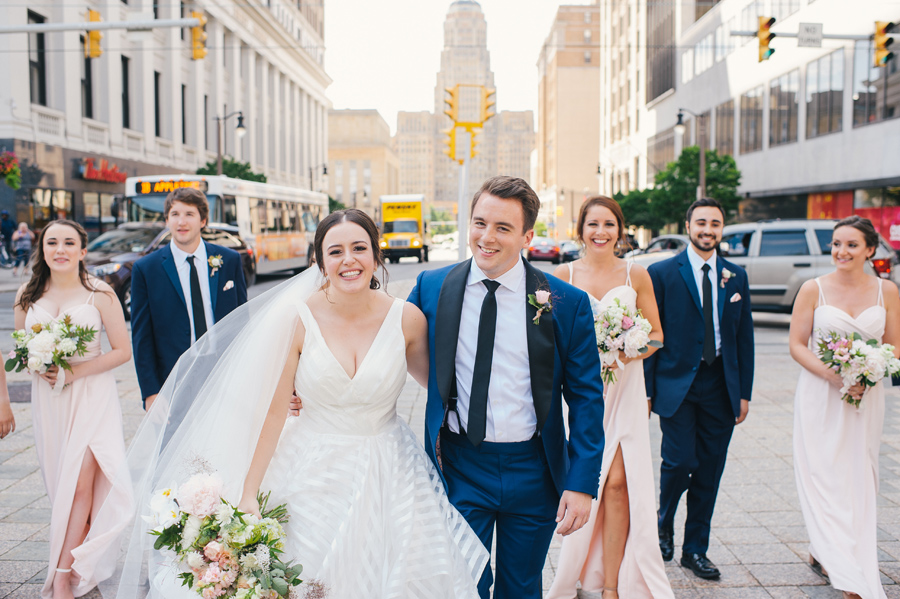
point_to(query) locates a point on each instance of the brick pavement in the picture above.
(759, 540)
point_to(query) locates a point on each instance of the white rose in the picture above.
(67, 346)
(35, 364)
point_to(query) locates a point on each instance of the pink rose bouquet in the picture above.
(857, 361)
(619, 329)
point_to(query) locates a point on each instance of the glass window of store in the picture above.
(825, 94)
(44, 206)
(37, 66)
(98, 212)
(876, 90)
(783, 106)
(751, 120)
(725, 128)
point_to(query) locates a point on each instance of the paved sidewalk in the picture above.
(759, 540)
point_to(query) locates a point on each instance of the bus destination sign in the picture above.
(145, 187)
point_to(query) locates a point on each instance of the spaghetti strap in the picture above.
(628, 265)
(880, 293)
(571, 273)
(822, 301)
(90, 299)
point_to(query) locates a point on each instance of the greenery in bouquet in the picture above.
(221, 551)
(620, 329)
(48, 344)
(9, 170)
(857, 361)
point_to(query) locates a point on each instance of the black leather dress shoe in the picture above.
(666, 543)
(700, 565)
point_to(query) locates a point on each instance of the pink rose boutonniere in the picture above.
(540, 299)
(215, 263)
(726, 276)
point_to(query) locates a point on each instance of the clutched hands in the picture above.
(296, 404)
(573, 513)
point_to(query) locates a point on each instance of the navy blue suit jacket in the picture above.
(160, 327)
(670, 371)
(563, 354)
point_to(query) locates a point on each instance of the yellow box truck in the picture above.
(403, 228)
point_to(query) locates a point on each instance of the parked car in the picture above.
(779, 256)
(112, 255)
(570, 250)
(543, 248)
(659, 249)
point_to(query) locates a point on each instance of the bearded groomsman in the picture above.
(700, 382)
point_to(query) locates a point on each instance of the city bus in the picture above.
(278, 222)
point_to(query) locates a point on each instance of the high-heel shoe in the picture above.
(817, 568)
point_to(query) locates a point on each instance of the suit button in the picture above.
(694, 368)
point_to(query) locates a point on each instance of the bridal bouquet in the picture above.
(49, 344)
(857, 361)
(221, 551)
(618, 329)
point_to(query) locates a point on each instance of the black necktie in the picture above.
(709, 335)
(197, 301)
(481, 374)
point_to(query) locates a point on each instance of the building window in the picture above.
(587, 36)
(704, 54)
(751, 120)
(876, 90)
(687, 65)
(587, 17)
(660, 152)
(352, 184)
(367, 181)
(157, 117)
(782, 9)
(126, 98)
(183, 15)
(825, 94)
(183, 114)
(725, 128)
(750, 19)
(660, 48)
(783, 106)
(205, 122)
(587, 57)
(37, 66)
(87, 87)
(339, 181)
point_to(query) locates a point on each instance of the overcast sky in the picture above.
(385, 54)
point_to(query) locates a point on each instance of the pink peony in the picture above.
(213, 551)
(201, 495)
(627, 323)
(542, 296)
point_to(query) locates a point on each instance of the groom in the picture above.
(499, 366)
(700, 381)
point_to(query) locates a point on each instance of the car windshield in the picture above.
(120, 241)
(401, 226)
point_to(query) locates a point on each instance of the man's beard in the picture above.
(696, 243)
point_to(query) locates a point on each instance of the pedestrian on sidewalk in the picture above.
(615, 552)
(76, 415)
(7, 228)
(700, 381)
(22, 240)
(836, 444)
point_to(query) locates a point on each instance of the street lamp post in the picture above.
(240, 130)
(312, 168)
(679, 127)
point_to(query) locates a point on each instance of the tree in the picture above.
(540, 229)
(334, 205)
(232, 168)
(640, 209)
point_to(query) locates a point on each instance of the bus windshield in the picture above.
(401, 226)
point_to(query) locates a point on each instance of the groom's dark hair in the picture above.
(701, 203)
(511, 188)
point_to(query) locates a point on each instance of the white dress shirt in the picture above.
(697, 266)
(184, 276)
(510, 407)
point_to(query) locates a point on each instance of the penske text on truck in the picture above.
(403, 227)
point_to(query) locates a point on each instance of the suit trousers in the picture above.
(507, 485)
(694, 447)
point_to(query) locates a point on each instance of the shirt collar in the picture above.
(181, 256)
(511, 279)
(697, 262)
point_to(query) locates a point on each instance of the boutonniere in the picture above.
(540, 299)
(215, 263)
(726, 275)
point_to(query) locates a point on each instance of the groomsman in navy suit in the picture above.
(700, 382)
(499, 367)
(180, 291)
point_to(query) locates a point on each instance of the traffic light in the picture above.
(882, 42)
(92, 40)
(473, 142)
(198, 36)
(452, 108)
(765, 37)
(450, 142)
(488, 100)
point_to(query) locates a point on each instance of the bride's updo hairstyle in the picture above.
(864, 226)
(357, 217)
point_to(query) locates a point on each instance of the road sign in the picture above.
(809, 35)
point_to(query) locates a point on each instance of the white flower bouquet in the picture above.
(49, 344)
(221, 551)
(619, 329)
(857, 361)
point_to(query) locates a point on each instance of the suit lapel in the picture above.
(446, 328)
(213, 280)
(541, 347)
(168, 263)
(721, 303)
(687, 273)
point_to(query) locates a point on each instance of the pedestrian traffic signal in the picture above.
(472, 143)
(198, 36)
(488, 100)
(452, 108)
(882, 42)
(92, 47)
(450, 142)
(765, 37)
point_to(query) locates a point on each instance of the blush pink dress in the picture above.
(642, 574)
(836, 450)
(84, 416)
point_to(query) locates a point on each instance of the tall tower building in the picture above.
(414, 146)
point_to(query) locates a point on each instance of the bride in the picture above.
(369, 517)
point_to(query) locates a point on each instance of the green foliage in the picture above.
(232, 168)
(540, 229)
(334, 205)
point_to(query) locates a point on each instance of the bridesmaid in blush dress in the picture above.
(77, 429)
(617, 551)
(836, 445)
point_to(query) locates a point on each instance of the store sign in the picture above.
(105, 173)
(144, 187)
